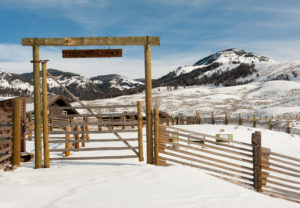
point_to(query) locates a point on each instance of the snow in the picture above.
(128, 183)
(260, 98)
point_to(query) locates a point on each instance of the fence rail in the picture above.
(242, 163)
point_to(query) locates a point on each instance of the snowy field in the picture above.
(272, 98)
(128, 183)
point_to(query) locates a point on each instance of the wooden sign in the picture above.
(92, 53)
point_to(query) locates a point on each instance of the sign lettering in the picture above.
(92, 53)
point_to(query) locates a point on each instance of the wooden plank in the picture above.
(92, 53)
(282, 172)
(2, 158)
(284, 179)
(281, 195)
(207, 169)
(257, 161)
(283, 190)
(206, 163)
(207, 158)
(7, 141)
(281, 166)
(283, 185)
(213, 153)
(91, 107)
(93, 149)
(284, 161)
(95, 157)
(207, 135)
(5, 135)
(285, 156)
(216, 148)
(4, 165)
(5, 149)
(92, 41)
(208, 141)
(234, 181)
(4, 128)
(93, 140)
(92, 132)
(98, 115)
(73, 124)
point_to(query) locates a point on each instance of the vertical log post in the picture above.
(148, 89)
(83, 135)
(51, 124)
(68, 137)
(37, 106)
(226, 118)
(240, 120)
(112, 122)
(16, 134)
(156, 135)
(87, 129)
(254, 121)
(257, 160)
(100, 125)
(270, 124)
(198, 118)
(140, 131)
(30, 127)
(77, 136)
(123, 121)
(288, 128)
(212, 118)
(45, 116)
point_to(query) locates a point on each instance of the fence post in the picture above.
(67, 145)
(16, 134)
(51, 124)
(288, 128)
(30, 127)
(156, 123)
(226, 118)
(100, 125)
(83, 135)
(140, 131)
(270, 124)
(45, 115)
(198, 118)
(254, 121)
(123, 121)
(212, 118)
(240, 120)
(257, 160)
(77, 136)
(87, 128)
(112, 122)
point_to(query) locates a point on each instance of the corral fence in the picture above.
(279, 123)
(77, 132)
(10, 137)
(246, 164)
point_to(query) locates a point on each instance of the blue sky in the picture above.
(189, 30)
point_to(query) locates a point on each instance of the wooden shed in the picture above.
(7, 106)
(60, 101)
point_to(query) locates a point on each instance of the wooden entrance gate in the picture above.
(121, 133)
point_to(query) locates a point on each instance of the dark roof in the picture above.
(61, 99)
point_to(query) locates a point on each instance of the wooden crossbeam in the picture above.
(92, 41)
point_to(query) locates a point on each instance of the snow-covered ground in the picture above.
(128, 183)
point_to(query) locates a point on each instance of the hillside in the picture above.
(231, 67)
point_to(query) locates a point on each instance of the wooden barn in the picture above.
(60, 101)
(7, 106)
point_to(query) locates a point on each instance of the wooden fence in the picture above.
(246, 164)
(74, 131)
(10, 137)
(280, 123)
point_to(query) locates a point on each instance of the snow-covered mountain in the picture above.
(14, 85)
(82, 87)
(232, 67)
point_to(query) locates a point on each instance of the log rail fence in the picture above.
(246, 164)
(74, 131)
(10, 137)
(281, 123)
